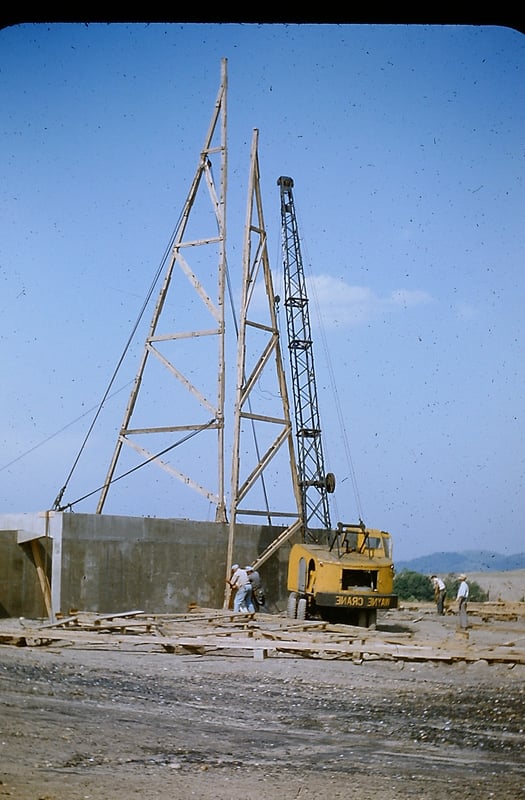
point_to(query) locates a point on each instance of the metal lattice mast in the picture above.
(315, 485)
(183, 250)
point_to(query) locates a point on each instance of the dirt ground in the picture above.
(115, 722)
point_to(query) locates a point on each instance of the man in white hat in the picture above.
(240, 583)
(462, 597)
(440, 591)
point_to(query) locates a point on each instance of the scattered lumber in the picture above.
(222, 632)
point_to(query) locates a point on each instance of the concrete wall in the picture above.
(111, 563)
(20, 592)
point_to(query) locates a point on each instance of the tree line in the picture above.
(409, 585)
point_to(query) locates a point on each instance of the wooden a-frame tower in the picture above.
(258, 357)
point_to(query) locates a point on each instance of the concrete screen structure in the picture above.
(52, 562)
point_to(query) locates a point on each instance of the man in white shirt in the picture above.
(240, 583)
(462, 597)
(440, 591)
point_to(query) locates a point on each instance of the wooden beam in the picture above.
(42, 577)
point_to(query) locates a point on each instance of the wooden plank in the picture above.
(42, 577)
(352, 650)
(65, 621)
(119, 615)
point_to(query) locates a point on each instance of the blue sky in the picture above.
(406, 145)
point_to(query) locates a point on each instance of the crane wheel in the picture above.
(301, 608)
(291, 609)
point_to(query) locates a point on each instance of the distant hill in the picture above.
(467, 561)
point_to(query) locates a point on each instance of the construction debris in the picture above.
(493, 635)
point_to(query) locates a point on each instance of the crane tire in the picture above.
(301, 608)
(291, 609)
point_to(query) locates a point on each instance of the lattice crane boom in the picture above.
(315, 484)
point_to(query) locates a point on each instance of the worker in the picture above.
(440, 591)
(259, 599)
(242, 602)
(462, 597)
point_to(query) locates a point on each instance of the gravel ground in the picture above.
(116, 723)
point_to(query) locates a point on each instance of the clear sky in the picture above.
(406, 145)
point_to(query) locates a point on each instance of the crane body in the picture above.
(342, 574)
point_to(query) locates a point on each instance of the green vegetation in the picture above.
(409, 585)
